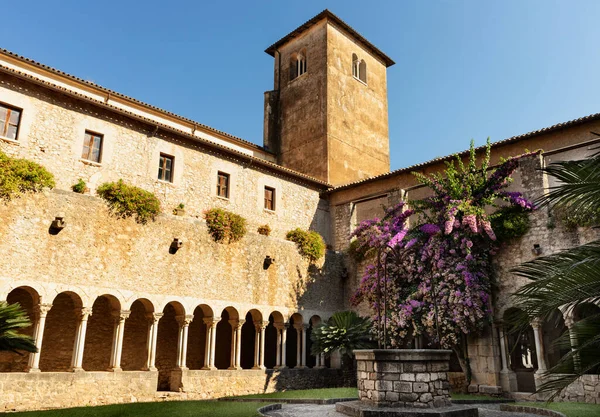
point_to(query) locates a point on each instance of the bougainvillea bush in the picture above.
(437, 267)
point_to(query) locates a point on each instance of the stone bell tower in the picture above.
(327, 116)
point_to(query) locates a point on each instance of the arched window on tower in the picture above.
(362, 71)
(355, 66)
(297, 64)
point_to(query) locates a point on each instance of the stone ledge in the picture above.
(271, 407)
(531, 410)
(316, 401)
(404, 355)
(359, 409)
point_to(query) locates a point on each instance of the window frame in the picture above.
(162, 166)
(222, 174)
(272, 200)
(91, 148)
(4, 128)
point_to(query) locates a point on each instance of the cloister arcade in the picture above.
(111, 336)
(528, 353)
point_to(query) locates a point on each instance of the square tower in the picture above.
(327, 116)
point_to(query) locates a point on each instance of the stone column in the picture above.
(508, 378)
(119, 330)
(153, 319)
(41, 311)
(184, 326)
(213, 342)
(238, 343)
(298, 346)
(278, 358)
(304, 352)
(570, 323)
(539, 345)
(322, 355)
(261, 358)
(257, 325)
(317, 361)
(209, 349)
(284, 345)
(83, 314)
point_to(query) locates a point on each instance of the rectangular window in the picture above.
(270, 198)
(165, 168)
(92, 146)
(223, 184)
(9, 121)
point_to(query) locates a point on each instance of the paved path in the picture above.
(310, 410)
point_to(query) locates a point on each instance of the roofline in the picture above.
(326, 14)
(235, 153)
(512, 139)
(99, 88)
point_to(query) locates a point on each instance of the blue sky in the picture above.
(464, 69)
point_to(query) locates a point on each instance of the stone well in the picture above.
(403, 382)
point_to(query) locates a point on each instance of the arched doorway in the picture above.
(197, 337)
(521, 351)
(167, 343)
(100, 333)
(135, 338)
(294, 340)
(62, 322)
(251, 340)
(311, 360)
(552, 329)
(271, 340)
(224, 350)
(28, 299)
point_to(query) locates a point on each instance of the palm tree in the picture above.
(12, 319)
(568, 278)
(345, 332)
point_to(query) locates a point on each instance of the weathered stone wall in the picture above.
(52, 129)
(585, 390)
(216, 384)
(32, 391)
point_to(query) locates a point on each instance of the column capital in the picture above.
(42, 309)
(154, 317)
(120, 315)
(211, 322)
(184, 320)
(281, 326)
(237, 323)
(569, 321)
(83, 312)
(259, 325)
(305, 326)
(537, 323)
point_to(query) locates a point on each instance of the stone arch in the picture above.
(581, 312)
(355, 65)
(100, 333)
(196, 352)
(362, 71)
(276, 319)
(135, 338)
(167, 343)
(60, 330)
(295, 322)
(250, 338)
(521, 350)
(553, 328)
(223, 350)
(28, 298)
(311, 360)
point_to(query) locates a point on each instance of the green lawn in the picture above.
(157, 409)
(569, 409)
(318, 394)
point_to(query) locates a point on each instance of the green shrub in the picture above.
(310, 243)
(264, 230)
(127, 201)
(510, 222)
(18, 176)
(572, 219)
(79, 187)
(357, 252)
(225, 226)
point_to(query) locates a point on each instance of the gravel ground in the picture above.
(309, 410)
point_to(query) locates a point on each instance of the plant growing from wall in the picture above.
(310, 243)
(225, 226)
(264, 230)
(129, 201)
(510, 223)
(435, 275)
(18, 176)
(12, 319)
(80, 187)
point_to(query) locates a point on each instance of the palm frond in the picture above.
(345, 331)
(13, 319)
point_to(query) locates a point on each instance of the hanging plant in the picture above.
(510, 223)
(264, 230)
(225, 226)
(310, 243)
(127, 200)
(80, 187)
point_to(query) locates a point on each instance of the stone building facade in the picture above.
(119, 316)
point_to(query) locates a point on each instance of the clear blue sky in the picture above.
(464, 69)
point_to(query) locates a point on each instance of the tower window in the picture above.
(223, 184)
(9, 121)
(359, 68)
(297, 65)
(92, 146)
(270, 198)
(165, 168)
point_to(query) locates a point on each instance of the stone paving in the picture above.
(310, 410)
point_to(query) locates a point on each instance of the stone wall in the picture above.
(585, 390)
(222, 383)
(32, 391)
